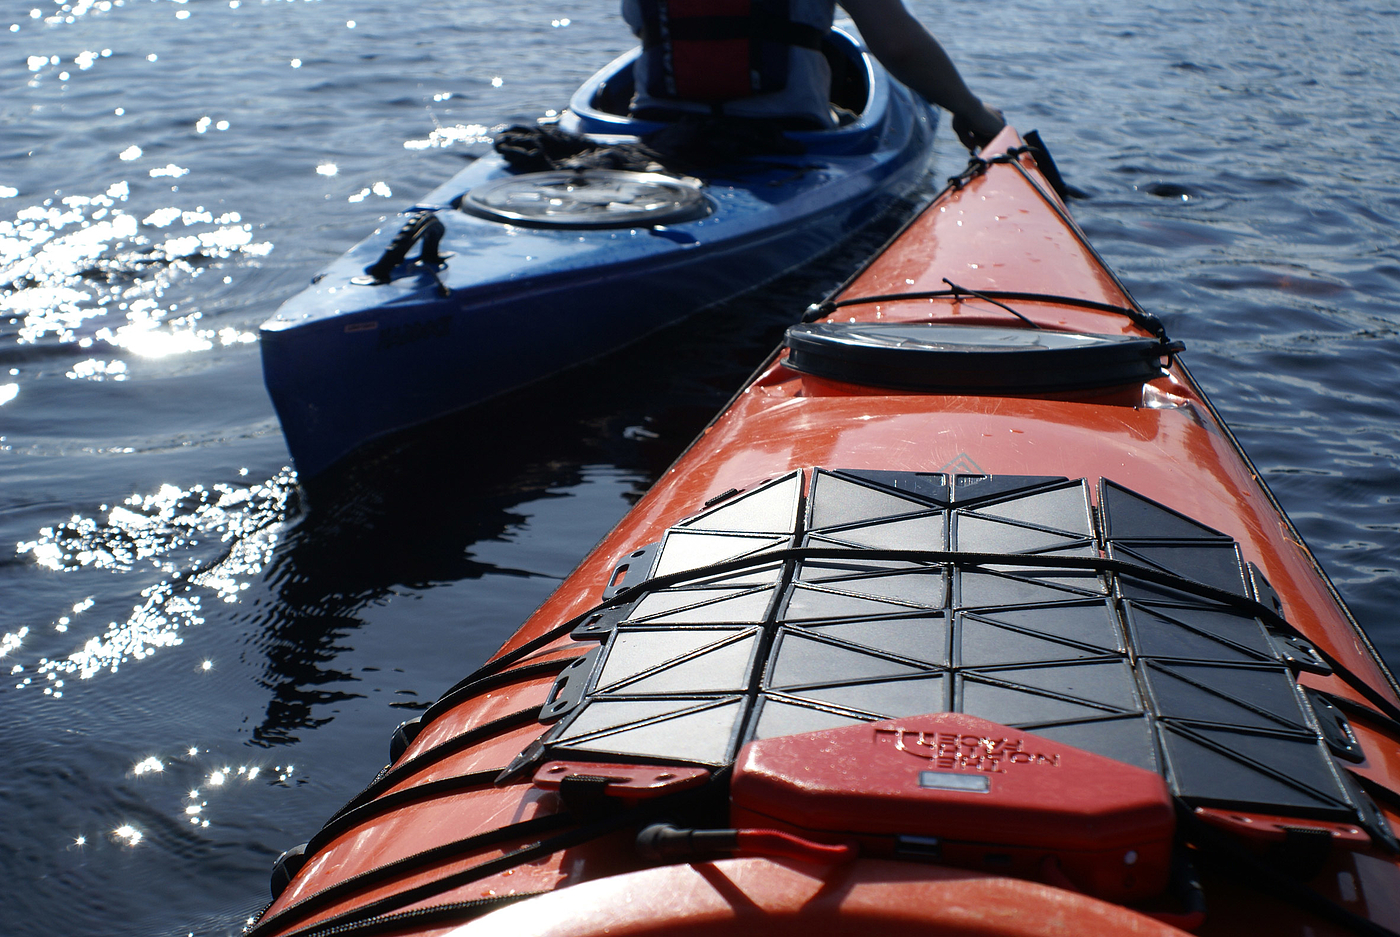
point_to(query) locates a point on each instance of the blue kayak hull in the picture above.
(346, 364)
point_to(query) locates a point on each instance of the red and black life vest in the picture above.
(719, 50)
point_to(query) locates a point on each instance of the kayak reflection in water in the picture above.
(763, 59)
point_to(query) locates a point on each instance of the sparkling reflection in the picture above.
(380, 189)
(241, 525)
(148, 765)
(188, 787)
(224, 781)
(128, 834)
(447, 136)
(95, 369)
(86, 258)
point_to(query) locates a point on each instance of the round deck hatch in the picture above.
(596, 198)
(923, 356)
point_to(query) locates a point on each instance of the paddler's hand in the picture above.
(976, 128)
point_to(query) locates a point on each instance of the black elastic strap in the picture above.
(964, 291)
(456, 912)
(1353, 708)
(1378, 791)
(545, 847)
(345, 821)
(408, 865)
(452, 746)
(957, 558)
(963, 558)
(1145, 321)
(1079, 236)
(465, 689)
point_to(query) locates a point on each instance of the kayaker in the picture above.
(763, 59)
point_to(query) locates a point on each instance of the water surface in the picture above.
(202, 670)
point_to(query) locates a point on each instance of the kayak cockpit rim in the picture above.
(599, 106)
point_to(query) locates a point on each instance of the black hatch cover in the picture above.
(926, 356)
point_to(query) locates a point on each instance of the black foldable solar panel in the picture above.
(862, 613)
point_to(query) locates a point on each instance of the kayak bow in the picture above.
(968, 615)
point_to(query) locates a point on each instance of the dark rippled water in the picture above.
(201, 669)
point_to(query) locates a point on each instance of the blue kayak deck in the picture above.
(347, 363)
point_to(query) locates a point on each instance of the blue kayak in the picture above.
(500, 278)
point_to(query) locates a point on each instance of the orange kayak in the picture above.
(967, 616)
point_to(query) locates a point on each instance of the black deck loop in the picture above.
(1011, 154)
(975, 167)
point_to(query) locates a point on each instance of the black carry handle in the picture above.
(421, 225)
